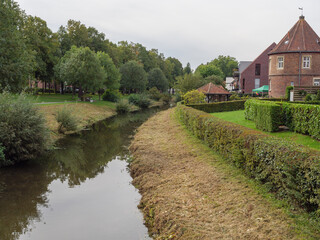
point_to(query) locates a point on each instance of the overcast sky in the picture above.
(194, 31)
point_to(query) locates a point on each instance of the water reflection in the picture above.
(24, 189)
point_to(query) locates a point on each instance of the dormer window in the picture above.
(280, 62)
(306, 60)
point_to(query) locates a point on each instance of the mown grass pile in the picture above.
(288, 169)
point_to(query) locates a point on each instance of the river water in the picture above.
(80, 191)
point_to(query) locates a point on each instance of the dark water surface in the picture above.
(81, 191)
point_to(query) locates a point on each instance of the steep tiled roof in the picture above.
(301, 37)
(211, 88)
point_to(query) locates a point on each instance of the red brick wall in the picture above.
(249, 73)
(281, 78)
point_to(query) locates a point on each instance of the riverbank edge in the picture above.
(84, 120)
(301, 224)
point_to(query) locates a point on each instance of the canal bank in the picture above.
(81, 190)
(188, 192)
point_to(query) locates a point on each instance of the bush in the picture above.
(219, 106)
(111, 95)
(155, 94)
(177, 98)
(67, 121)
(122, 106)
(23, 133)
(267, 116)
(250, 110)
(290, 170)
(140, 100)
(235, 97)
(310, 97)
(194, 97)
(166, 98)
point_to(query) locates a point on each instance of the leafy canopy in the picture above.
(133, 77)
(157, 79)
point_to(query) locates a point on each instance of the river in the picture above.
(82, 190)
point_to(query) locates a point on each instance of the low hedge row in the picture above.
(268, 116)
(220, 106)
(290, 170)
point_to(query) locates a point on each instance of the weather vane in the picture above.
(301, 8)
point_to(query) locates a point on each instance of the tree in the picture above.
(80, 67)
(226, 63)
(209, 70)
(194, 97)
(217, 80)
(188, 82)
(112, 74)
(45, 46)
(133, 77)
(177, 67)
(157, 79)
(187, 69)
(16, 60)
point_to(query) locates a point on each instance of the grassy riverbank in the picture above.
(189, 192)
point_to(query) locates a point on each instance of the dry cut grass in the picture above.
(186, 197)
(86, 113)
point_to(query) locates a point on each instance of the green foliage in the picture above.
(209, 70)
(310, 97)
(16, 60)
(166, 98)
(318, 96)
(81, 67)
(157, 79)
(226, 63)
(112, 75)
(194, 97)
(288, 89)
(188, 82)
(267, 116)
(217, 80)
(154, 94)
(67, 121)
(23, 134)
(140, 100)
(2, 156)
(219, 106)
(133, 77)
(250, 109)
(291, 171)
(111, 95)
(187, 69)
(122, 106)
(235, 96)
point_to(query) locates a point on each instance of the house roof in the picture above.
(300, 38)
(211, 88)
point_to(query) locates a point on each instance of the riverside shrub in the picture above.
(290, 170)
(23, 133)
(111, 95)
(140, 100)
(122, 106)
(67, 121)
(219, 106)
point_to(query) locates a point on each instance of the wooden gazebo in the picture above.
(214, 93)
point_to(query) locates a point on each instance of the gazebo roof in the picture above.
(211, 88)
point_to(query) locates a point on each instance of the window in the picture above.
(258, 69)
(257, 83)
(280, 62)
(306, 61)
(292, 84)
(316, 82)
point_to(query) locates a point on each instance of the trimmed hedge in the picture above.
(290, 170)
(219, 106)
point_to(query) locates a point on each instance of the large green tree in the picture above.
(80, 67)
(226, 63)
(188, 82)
(112, 74)
(157, 79)
(209, 70)
(133, 77)
(16, 60)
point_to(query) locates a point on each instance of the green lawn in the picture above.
(238, 118)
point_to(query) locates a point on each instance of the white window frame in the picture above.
(314, 81)
(280, 64)
(306, 61)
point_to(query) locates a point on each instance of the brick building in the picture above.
(295, 60)
(256, 73)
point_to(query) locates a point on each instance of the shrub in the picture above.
(194, 97)
(177, 98)
(267, 116)
(292, 171)
(23, 134)
(250, 110)
(140, 100)
(166, 98)
(235, 97)
(219, 106)
(67, 121)
(122, 106)
(111, 95)
(317, 96)
(155, 94)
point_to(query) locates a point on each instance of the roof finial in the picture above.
(301, 17)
